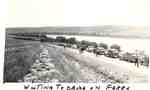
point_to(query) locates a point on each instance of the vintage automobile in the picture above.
(61, 44)
(100, 51)
(74, 46)
(113, 53)
(130, 57)
(82, 48)
(68, 45)
(90, 49)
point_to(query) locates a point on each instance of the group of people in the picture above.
(144, 61)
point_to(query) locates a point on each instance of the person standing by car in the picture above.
(136, 61)
(146, 61)
(64, 46)
(136, 58)
(95, 51)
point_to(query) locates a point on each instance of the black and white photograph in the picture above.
(94, 54)
(75, 44)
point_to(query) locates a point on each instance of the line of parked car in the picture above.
(124, 56)
(112, 53)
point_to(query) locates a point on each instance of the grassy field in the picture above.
(18, 58)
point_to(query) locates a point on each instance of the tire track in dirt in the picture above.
(92, 73)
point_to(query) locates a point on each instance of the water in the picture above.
(127, 44)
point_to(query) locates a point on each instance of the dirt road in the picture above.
(86, 67)
(115, 69)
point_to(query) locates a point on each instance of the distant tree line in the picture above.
(62, 39)
(73, 40)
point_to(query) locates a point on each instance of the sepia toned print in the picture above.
(105, 54)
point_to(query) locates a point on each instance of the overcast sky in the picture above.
(78, 12)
